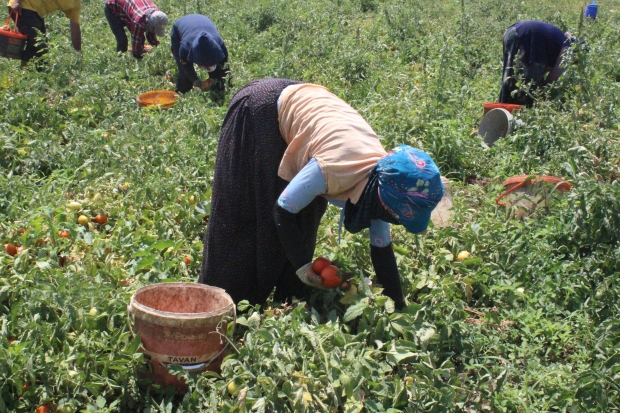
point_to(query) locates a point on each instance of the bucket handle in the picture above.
(228, 341)
(129, 323)
(206, 364)
(8, 21)
(512, 188)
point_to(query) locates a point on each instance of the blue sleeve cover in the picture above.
(310, 183)
(303, 188)
(379, 233)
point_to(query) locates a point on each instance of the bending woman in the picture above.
(287, 148)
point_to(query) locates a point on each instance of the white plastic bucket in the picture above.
(441, 215)
(496, 124)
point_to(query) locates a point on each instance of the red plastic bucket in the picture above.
(183, 324)
(495, 105)
(12, 42)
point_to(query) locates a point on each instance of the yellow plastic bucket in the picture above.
(164, 99)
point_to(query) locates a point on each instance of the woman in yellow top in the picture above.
(286, 149)
(31, 14)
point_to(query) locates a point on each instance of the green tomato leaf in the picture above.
(145, 262)
(472, 261)
(162, 244)
(355, 310)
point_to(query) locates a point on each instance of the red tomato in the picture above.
(101, 219)
(330, 276)
(319, 264)
(44, 408)
(188, 260)
(10, 249)
(63, 234)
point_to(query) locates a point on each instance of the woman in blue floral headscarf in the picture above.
(286, 149)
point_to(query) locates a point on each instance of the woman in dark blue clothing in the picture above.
(195, 40)
(531, 50)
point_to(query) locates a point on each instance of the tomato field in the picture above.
(99, 198)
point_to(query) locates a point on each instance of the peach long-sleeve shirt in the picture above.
(315, 123)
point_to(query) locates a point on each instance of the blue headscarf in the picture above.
(409, 186)
(205, 51)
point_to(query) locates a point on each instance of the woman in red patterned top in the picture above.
(143, 19)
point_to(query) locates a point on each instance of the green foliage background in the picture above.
(529, 323)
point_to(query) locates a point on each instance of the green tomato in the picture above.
(234, 386)
(75, 205)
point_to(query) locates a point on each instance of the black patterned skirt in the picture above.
(242, 251)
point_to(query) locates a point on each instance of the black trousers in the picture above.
(118, 29)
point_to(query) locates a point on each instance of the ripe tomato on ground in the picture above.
(44, 408)
(319, 264)
(10, 249)
(330, 276)
(101, 219)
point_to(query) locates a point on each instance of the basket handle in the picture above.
(8, 21)
(513, 188)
